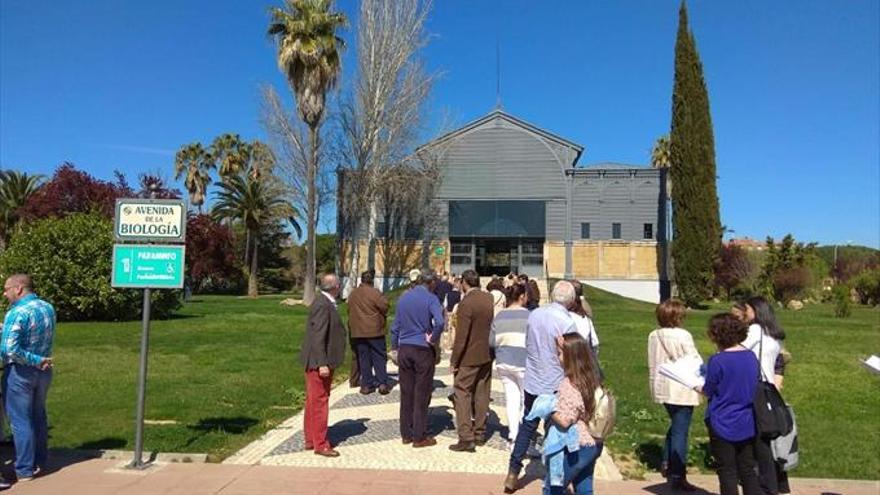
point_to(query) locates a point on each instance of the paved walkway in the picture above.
(104, 477)
(365, 430)
(373, 462)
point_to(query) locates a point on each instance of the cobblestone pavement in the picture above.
(364, 429)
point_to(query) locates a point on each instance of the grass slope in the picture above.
(226, 371)
(835, 399)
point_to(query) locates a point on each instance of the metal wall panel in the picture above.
(499, 160)
(629, 197)
(556, 220)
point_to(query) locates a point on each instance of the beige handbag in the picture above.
(602, 424)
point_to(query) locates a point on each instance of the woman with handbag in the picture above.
(667, 344)
(731, 382)
(764, 339)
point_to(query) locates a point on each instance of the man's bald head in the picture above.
(330, 283)
(17, 286)
(22, 280)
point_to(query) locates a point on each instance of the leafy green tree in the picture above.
(789, 268)
(309, 57)
(16, 188)
(69, 260)
(194, 163)
(696, 221)
(255, 203)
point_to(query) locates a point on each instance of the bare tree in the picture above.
(290, 141)
(381, 121)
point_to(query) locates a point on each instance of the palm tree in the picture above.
(309, 56)
(660, 156)
(195, 163)
(230, 154)
(255, 203)
(16, 188)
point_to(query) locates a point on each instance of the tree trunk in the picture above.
(247, 245)
(252, 276)
(354, 257)
(311, 213)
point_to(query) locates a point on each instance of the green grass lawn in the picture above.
(837, 402)
(226, 370)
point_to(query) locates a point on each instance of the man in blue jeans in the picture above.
(26, 349)
(543, 370)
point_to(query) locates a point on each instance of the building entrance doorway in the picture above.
(498, 256)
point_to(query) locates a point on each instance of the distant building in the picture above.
(512, 199)
(748, 244)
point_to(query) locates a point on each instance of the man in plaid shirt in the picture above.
(26, 350)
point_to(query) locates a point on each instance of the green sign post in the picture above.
(147, 267)
(151, 266)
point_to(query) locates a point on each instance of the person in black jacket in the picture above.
(322, 352)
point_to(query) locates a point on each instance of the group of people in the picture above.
(545, 355)
(749, 342)
(26, 356)
(546, 358)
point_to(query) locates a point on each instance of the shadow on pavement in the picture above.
(341, 431)
(663, 489)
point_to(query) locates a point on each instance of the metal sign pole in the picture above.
(138, 462)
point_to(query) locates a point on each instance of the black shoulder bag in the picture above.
(772, 417)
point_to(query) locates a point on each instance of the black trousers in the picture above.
(772, 478)
(416, 377)
(736, 462)
(372, 360)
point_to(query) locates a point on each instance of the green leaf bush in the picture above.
(867, 285)
(69, 260)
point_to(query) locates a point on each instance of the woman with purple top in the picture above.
(731, 381)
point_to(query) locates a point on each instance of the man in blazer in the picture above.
(367, 310)
(322, 352)
(471, 363)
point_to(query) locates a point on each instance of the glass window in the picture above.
(615, 231)
(412, 232)
(497, 218)
(649, 231)
(461, 248)
(460, 260)
(585, 230)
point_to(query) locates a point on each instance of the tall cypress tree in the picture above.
(696, 221)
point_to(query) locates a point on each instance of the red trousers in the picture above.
(317, 410)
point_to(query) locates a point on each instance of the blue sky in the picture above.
(794, 89)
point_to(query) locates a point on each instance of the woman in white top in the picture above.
(583, 319)
(765, 340)
(667, 344)
(507, 341)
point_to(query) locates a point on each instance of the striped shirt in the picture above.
(508, 337)
(28, 331)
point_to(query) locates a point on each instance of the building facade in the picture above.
(511, 198)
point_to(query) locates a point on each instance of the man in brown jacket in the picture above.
(323, 351)
(367, 309)
(471, 363)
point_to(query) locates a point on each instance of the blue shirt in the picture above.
(731, 381)
(418, 314)
(543, 370)
(28, 331)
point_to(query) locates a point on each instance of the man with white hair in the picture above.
(543, 372)
(322, 352)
